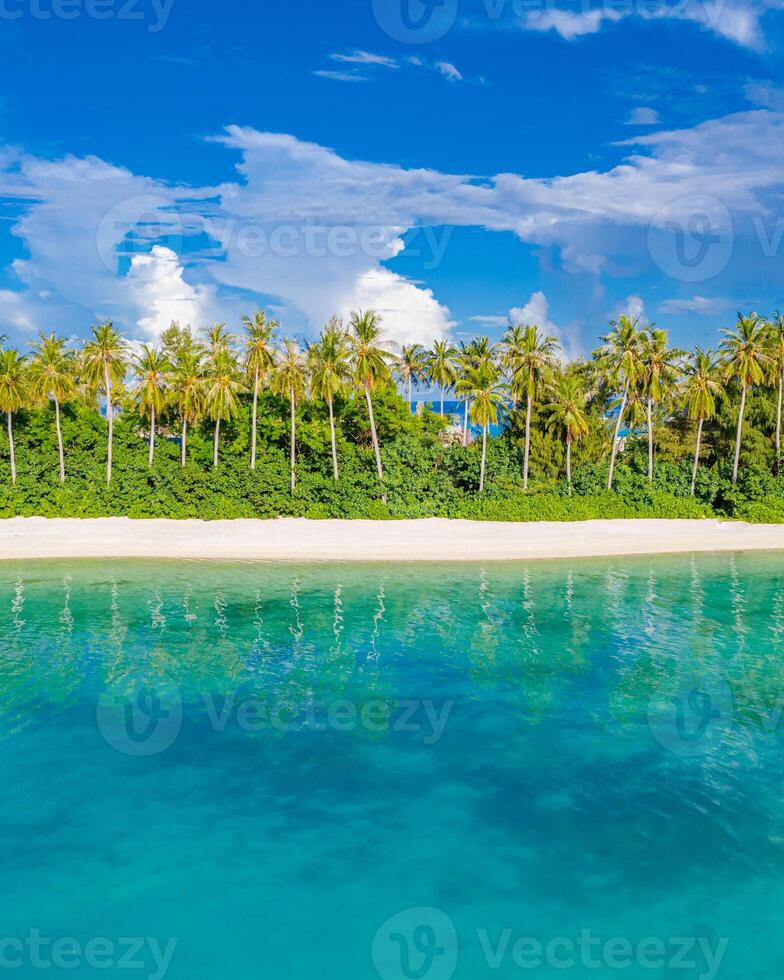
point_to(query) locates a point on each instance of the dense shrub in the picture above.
(427, 473)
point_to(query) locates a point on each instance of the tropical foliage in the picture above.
(212, 425)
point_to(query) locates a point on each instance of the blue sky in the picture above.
(556, 161)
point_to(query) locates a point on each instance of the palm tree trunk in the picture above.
(332, 435)
(59, 439)
(778, 423)
(465, 424)
(569, 463)
(11, 446)
(410, 391)
(183, 441)
(110, 418)
(738, 437)
(151, 454)
(215, 442)
(696, 456)
(650, 440)
(484, 460)
(374, 435)
(442, 401)
(527, 442)
(293, 440)
(614, 452)
(255, 416)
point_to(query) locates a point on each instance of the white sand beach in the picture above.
(426, 540)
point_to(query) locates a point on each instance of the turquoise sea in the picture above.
(346, 773)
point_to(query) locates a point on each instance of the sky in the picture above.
(456, 165)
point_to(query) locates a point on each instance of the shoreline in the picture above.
(430, 540)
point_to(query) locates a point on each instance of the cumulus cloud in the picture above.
(311, 232)
(156, 282)
(537, 312)
(632, 306)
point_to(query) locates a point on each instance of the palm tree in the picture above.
(412, 365)
(289, 380)
(567, 412)
(512, 345)
(747, 360)
(104, 360)
(330, 370)
(218, 337)
(479, 351)
(701, 391)
(223, 386)
(487, 392)
(187, 390)
(52, 376)
(176, 339)
(659, 375)
(619, 362)
(14, 392)
(259, 357)
(776, 340)
(152, 369)
(370, 364)
(530, 359)
(441, 366)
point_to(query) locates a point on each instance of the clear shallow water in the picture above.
(269, 764)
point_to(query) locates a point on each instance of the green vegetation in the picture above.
(255, 426)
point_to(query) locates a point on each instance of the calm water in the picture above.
(237, 771)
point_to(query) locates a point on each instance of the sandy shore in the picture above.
(429, 540)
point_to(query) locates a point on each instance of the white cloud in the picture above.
(365, 58)
(738, 21)
(643, 116)
(409, 313)
(84, 224)
(701, 305)
(536, 312)
(341, 76)
(449, 71)
(765, 94)
(632, 306)
(570, 24)
(157, 284)
(359, 60)
(16, 312)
